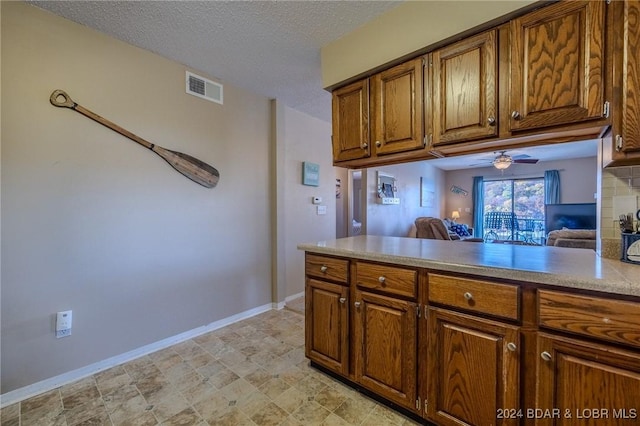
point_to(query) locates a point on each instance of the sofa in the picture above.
(574, 238)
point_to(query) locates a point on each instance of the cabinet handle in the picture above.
(468, 296)
(515, 115)
(512, 346)
(323, 268)
(378, 144)
(491, 121)
(356, 304)
(365, 145)
(546, 356)
(382, 280)
(343, 299)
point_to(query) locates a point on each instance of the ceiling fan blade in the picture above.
(526, 161)
(520, 156)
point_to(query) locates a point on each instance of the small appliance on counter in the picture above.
(630, 243)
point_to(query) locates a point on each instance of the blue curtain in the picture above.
(478, 206)
(552, 187)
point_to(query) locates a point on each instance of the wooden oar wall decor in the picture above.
(196, 170)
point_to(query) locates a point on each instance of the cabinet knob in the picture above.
(491, 121)
(515, 115)
(343, 299)
(356, 304)
(546, 356)
(323, 268)
(365, 145)
(468, 296)
(512, 346)
(382, 280)
(378, 144)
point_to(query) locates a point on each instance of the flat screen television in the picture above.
(571, 216)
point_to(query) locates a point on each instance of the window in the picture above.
(514, 210)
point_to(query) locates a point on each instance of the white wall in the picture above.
(95, 223)
(396, 220)
(410, 26)
(301, 138)
(577, 182)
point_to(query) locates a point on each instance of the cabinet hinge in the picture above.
(425, 311)
(608, 1)
(618, 143)
(424, 141)
(418, 310)
(418, 404)
(606, 109)
(424, 61)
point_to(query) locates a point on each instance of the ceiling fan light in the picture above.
(502, 162)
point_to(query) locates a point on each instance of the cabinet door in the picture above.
(582, 380)
(465, 90)
(350, 121)
(385, 347)
(626, 53)
(557, 68)
(397, 108)
(326, 327)
(472, 369)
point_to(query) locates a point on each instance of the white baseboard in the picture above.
(37, 388)
(282, 304)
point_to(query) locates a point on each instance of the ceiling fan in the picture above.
(504, 161)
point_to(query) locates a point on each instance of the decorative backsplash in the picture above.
(618, 186)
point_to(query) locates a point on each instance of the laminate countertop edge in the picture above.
(555, 266)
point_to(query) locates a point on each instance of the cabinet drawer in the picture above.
(387, 279)
(327, 268)
(611, 320)
(500, 300)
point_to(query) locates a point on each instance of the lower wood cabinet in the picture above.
(326, 325)
(463, 350)
(472, 369)
(582, 383)
(385, 347)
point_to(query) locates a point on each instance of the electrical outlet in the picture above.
(63, 323)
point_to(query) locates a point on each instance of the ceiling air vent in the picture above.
(203, 88)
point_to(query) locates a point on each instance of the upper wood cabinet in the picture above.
(397, 108)
(380, 115)
(350, 122)
(623, 145)
(465, 90)
(558, 65)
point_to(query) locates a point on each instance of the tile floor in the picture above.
(252, 372)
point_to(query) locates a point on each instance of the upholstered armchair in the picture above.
(434, 228)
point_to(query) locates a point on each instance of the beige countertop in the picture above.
(558, 266)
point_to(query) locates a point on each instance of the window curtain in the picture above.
(478, 206)
(552, 187)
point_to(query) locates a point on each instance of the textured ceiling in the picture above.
(268, 47)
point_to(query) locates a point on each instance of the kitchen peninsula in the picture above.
(477, 334)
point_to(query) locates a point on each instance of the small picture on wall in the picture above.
(427, 196)
(338, 188)
(310, 174)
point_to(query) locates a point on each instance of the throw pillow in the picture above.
(461, 229)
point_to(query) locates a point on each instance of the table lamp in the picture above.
(455, 215)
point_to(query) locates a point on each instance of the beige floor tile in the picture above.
(188, 416)
(311, 413)
(270, 415)
(253, 373)
(10, 415)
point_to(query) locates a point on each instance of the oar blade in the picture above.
(196, 170)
